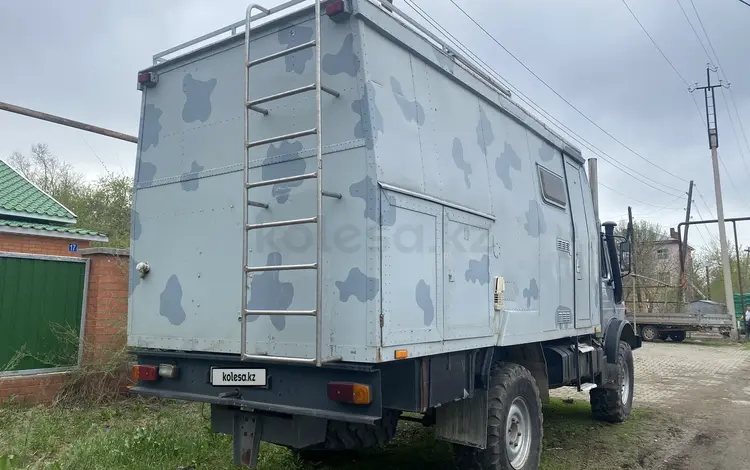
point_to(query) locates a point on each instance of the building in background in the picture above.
(33, 222)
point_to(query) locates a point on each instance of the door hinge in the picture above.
(381, 320)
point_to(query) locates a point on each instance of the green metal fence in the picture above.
(42, 300)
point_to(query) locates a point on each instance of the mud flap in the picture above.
(247, 432)
(465, 421)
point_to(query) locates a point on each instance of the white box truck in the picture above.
(338, 219)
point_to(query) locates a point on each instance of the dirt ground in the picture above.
(707, 390)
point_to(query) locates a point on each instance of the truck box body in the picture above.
(449, 189)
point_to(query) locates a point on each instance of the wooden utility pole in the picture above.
(67, 122)
(684, 247)
(713, 143)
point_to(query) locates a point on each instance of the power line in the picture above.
(697, 36)
(700, 194)
(560, 96)
(736, 135)
(651, 213)
(634, 199)
(731, 93)
(531, 103)
(746, 3)
(721, 69)
(654, 43)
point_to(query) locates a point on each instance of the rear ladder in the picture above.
(253, 105)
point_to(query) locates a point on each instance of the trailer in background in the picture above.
(702, 315)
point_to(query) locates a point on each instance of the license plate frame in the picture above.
(238, 377)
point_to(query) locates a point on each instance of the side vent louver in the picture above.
(563, 245)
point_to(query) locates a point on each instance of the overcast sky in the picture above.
(79, 59)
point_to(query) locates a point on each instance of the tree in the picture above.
(656, 268)
(102, 205)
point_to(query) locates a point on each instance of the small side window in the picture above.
(553, 188)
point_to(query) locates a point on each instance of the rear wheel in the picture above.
(514, 426)
(649, 333)
(677, 335)
(663, 336)
(613, 404)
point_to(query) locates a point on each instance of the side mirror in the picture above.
(625, 257)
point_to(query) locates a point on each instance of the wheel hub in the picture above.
(518, 433)
(625, 384)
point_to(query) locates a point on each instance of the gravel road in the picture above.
(707, 389)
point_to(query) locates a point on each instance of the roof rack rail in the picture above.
(233, 29)
(397, 14)
(467, 64)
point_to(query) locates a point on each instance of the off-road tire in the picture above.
(341, 436)
(607, 404)
(507, 382)
(649, 333)
(678, 336)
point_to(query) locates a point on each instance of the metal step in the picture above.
(587, 386)
(279, 138)
(280, 267)
(285, 179)
(297, 313)
(276, 55)
(281, 223)
(583, 348)
(292, 92)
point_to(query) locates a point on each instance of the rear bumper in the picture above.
(290, 390)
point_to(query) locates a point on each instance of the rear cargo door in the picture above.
(581, 245)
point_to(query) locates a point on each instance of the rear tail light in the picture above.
(144, 373)
(345, 392)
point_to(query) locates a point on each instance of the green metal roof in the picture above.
(51, 228)
(20, 197)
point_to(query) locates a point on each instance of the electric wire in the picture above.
(731, 93)
(654, 43)
(496, 41)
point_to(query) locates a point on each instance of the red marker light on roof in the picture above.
(335, 7)
(147, 79)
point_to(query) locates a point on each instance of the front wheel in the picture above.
(514, 425)
(614, 404)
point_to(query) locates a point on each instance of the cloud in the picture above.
(79, 59)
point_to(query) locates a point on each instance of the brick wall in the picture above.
(105, 326)
(39, 245)
(32, 389)
(107, 301)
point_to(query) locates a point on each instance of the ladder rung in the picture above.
(283, 94)
(296, 313)
(282, 223)
(286, 360)
(257, 204)
(331, 194)
(279, 138)
(276, 55)
(281, 267)
(295, 91)
(285, 179)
